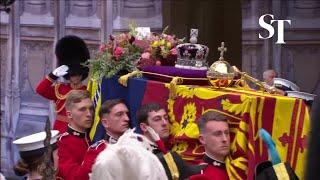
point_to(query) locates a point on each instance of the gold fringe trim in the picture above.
(173, 87)
(123, 80)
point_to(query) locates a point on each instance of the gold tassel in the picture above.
(173, 89)
(123, 80)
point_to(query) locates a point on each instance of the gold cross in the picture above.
(222, 49)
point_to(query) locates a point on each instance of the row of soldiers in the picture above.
(74, 154)
(75, 157)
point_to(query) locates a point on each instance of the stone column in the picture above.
(12, 92)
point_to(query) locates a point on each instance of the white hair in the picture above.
(267, 73)
(129, 158)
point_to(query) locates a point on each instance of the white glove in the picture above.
(61, 71)
(155, 136)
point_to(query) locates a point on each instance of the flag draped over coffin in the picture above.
(138, 92)
(286, 119)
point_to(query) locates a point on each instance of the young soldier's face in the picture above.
(216, 139)
(117, 121)
(158, 120)
(81, 114)
(76, 79)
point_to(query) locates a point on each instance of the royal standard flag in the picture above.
(285, 118)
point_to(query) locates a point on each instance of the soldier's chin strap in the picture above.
(172, 166)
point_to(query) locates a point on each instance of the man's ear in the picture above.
(143, 127)
(69, 115)
(201, 139)
(104, 121)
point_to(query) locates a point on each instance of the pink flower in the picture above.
(158, 63)
(141, 44)
(173, 51)
(169, 38)
(103, 48)
(145, 55)
(118, 52)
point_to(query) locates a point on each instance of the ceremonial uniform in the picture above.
(214, 170)
(58, 93)
(73, 146)
(176, 168)
(71, 51)
(158, 147)
(91, 155)
(110, 139)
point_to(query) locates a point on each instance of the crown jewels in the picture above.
(192, 55)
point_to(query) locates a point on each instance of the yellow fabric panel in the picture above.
(301, 160)
(283, 122)
(281, 171)
(282, 115)
(92, 88)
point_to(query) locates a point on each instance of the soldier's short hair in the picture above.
(108, 105)
(210, 116)
(142, 113)
(76, 96)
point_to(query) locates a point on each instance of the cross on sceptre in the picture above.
(222, 49)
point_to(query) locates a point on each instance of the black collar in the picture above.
(155, 149)
(74, 132)
(213, 162)
(110, 139)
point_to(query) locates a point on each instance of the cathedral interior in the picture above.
(30, 29)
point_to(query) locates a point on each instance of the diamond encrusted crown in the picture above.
(192, 55)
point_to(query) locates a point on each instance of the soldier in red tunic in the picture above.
(114, 117)
(70, 52)
(73, 144)
(214, 135)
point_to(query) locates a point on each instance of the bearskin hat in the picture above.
(72, 51)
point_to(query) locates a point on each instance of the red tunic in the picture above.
(213, 170)
(90, 159)
(58, 93)
(72, 148)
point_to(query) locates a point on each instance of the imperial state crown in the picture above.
(192, 55)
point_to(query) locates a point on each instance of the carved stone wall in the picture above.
(297, 59)
(27, 38)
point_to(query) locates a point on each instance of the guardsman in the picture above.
(70, 52)
(74, 143)
(214, 135)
